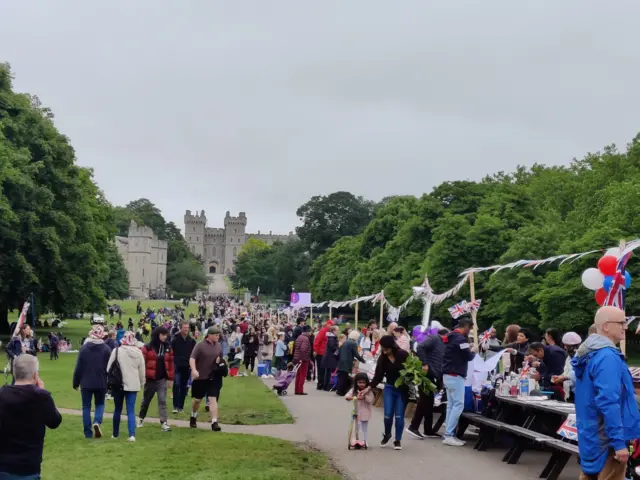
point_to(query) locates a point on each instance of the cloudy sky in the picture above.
(257, 105)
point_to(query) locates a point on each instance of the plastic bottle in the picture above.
(513, 391)
(524, 385)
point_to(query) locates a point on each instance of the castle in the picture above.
(219, 247)
(145, 258)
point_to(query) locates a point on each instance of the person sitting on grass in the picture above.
(26, 410)
(90, 375)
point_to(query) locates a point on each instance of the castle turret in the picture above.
(194, 231)
(235, 238)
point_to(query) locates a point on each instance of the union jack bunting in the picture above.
(474, 305)
(568, 429)
(458, 309)
(21, 319)
(618, 290)
(486, 335)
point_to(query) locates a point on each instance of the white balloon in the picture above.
(615, 251)
(592, 278)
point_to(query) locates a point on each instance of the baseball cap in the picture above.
(213, 331)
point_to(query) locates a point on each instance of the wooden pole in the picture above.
(330, 311)
(381, 307)
(623, 343)
(472, 288)
(356, 316)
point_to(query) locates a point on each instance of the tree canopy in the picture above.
(532, 213)
(56, 227)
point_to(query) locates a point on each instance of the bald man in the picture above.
(606, 409)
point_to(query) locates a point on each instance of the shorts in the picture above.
(208, 387)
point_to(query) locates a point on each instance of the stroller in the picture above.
(284, 379)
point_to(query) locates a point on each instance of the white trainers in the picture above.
(166, 427)
(97, 431)
(175, 410)
(452, 442)
(131, 439)
(140, 423)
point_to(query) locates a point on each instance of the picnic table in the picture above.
(546, 423)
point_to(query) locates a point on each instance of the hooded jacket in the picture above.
(320, 342)
(91, 366)
(132, 366)
(431, 353)
(606, 410)
(150, 354)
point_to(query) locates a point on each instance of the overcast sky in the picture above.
(256, 106)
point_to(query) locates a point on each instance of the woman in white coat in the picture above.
(131, 364)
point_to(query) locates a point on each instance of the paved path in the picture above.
(218, 285)
(323, 420)
(285, 432)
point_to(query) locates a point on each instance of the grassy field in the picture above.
(181, 453)
(243, 401)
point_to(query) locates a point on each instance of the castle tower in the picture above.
(194, 231)
(139, 260)
(235, 238)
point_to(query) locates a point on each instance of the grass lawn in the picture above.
(181, 453)
(243, 400)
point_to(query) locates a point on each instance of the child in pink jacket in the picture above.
(364, 403)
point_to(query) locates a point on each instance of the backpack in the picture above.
(114, 375)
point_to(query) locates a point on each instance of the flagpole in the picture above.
(474, 312)
(381, 307)
(623, 343)
(356, 316)
(330, 310)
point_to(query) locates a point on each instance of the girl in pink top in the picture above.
(364, 403)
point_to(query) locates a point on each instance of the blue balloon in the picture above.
(608, 283)
(627, 279)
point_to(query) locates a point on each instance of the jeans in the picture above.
(150, 389)
(267, 366)
(180, 387)
(98, 396)
(281, 364)
(455, 402)
(129, 398)
(394, 407)
(11, 476)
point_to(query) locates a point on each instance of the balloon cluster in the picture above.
(601, 279)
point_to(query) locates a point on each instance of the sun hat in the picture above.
(571, 338)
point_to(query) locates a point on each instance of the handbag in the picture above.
(115, 382)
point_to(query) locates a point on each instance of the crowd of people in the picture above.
(350, 362)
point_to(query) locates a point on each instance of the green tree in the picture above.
(325, 219)
(55, 226)
(185, 277)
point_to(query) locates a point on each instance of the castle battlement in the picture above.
(219, 247)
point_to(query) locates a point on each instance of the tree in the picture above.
(325, 219)
(116, 284)
(55, 224)
(185, 277)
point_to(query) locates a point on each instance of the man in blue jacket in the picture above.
(457, 355)
(606, 410)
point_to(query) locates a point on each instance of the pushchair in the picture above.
(284, 379)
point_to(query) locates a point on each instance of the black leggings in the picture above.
(250, 360)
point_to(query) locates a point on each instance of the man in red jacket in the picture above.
(302, 356)
(319, 347)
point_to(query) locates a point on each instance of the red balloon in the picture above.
(607, 265)
(601, 296)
